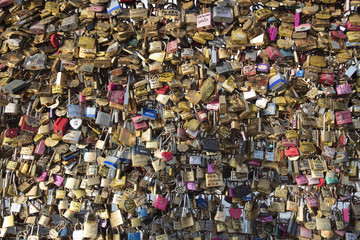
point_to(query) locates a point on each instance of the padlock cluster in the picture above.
(229, 119)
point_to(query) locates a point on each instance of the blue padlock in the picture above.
(150, 113)
(63, 232)
(134, 236)
(144, 214)
(202, 203)
(300, 73)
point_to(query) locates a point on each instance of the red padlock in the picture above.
(11, 132)
(292, 152)
(167, 156)
(60, 126)
(29, 123)
(322, 182)
(338, 34)
(55, 40)
(274, 54)
(327, 78)
(162, 90)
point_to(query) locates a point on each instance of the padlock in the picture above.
(60, 126)
(37, 28)
(274, 54)
(11, 109)
(103, 119)
(69, 23)
(222, 14)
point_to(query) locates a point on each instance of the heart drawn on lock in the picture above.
(180, 189)
(167, 156)
(75, 123)
(235, 213)
(129, 204)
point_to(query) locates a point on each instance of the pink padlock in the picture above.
(346, 214)
(117, 96)
(82, 98)
(58, 180)
(343, 89)
(274, 54)
(303, 27)
(138, 123)
(97, 8)
(305, 233)
(297, 19)
(42, 178)
(312, 181)
(288, 143)
(191, 186)
(343, 118)
(301, 180)
(161, 203)
(210, 168)
(272, 32)
(312, 201)
(172, 47)
(341, 233)
(40, 148)
(342, 141)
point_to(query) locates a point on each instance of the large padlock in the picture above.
(69, 23)
(222, 14)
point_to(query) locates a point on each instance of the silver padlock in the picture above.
(111, 173)
(223, 14)
(90, 112)
(11, 109)
(35, 62)
(50, 197)
(74, 111)
(351, 70)
(103, 119)
(213, 60)
(69, 23)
